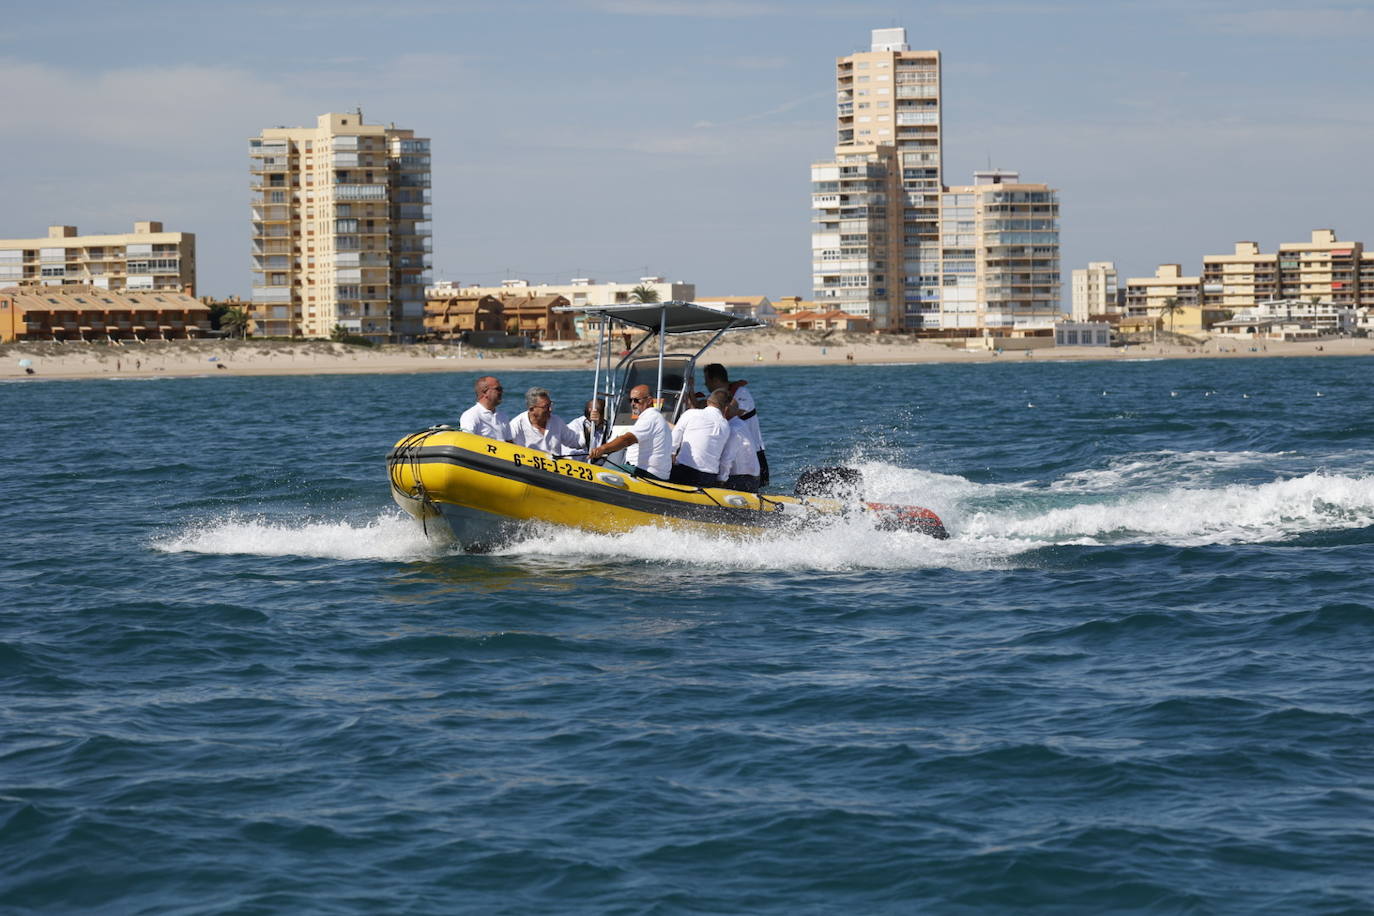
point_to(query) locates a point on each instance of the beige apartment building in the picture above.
(891, 243)
(1094, 290)
(856, 234)
(147, 258)
(876, 219)
(1000, 254)
(341, 229)
(1322, 269)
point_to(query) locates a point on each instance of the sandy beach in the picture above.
(226, 358)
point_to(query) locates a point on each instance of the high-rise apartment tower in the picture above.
(888, 96)
(341, 229)
(892, 243)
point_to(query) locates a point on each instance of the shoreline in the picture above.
(227, 358)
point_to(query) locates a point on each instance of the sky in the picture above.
(616, 139)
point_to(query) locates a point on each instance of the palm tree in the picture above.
(1171, 307)
(234, 321)
(643, 293)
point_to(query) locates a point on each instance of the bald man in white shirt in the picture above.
(648, 444)
(483, 418)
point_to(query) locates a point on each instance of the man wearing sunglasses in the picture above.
(649, 443)
(483, 418)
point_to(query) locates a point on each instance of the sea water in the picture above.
(236, 679)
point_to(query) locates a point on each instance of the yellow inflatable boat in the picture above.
(486, 492)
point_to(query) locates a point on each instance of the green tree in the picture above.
(643, 293)
(234, 321)
(1170, 308)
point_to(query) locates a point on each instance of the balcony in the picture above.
(263, 293)
(351, 191)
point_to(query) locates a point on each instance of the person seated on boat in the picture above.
(538, 428)
(739, 463)
(698, 441)
(717, 377)
(483, 418)
(648, 444)
(592, 429)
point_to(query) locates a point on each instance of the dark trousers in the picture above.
(686, 474)
(746, 483)
(763, 468)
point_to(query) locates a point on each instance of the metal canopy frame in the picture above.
(657, 320)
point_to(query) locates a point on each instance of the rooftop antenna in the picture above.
(359, 111)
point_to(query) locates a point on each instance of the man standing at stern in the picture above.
(716, 379)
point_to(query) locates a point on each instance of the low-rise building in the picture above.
(451, 317)
(1082, 334)
(147, 258)
(537, 318)
(1291, 319)
(834, 320)
(758, 307)
(89, 313)
(580, 292)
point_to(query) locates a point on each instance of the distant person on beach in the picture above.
(648, 444)
(483, 418)
(699, 439)
(538, 428)
(739, 463)
(718, 378)
(593, 428)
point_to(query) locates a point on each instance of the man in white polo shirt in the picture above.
(698, 440)
(483, 418)
(718, 377)
(739, 463)
(538, 428)
(649, 443)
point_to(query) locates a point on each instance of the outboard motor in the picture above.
(908, 518)
(840, 483)
(848, 483)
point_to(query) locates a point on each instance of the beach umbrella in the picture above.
(25, 363)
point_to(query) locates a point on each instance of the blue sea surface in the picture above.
(1137, 677)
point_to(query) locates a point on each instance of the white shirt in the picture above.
(589, 435)
(699, 438)
(556, 438)
(490, 423)
(740, 456)
(745, 400)
(653, 448)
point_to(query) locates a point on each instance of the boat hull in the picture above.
(487, 492)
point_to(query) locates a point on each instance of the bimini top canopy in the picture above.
(670, 317)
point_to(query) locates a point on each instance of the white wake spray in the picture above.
(389, 536)
(1169, 498)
